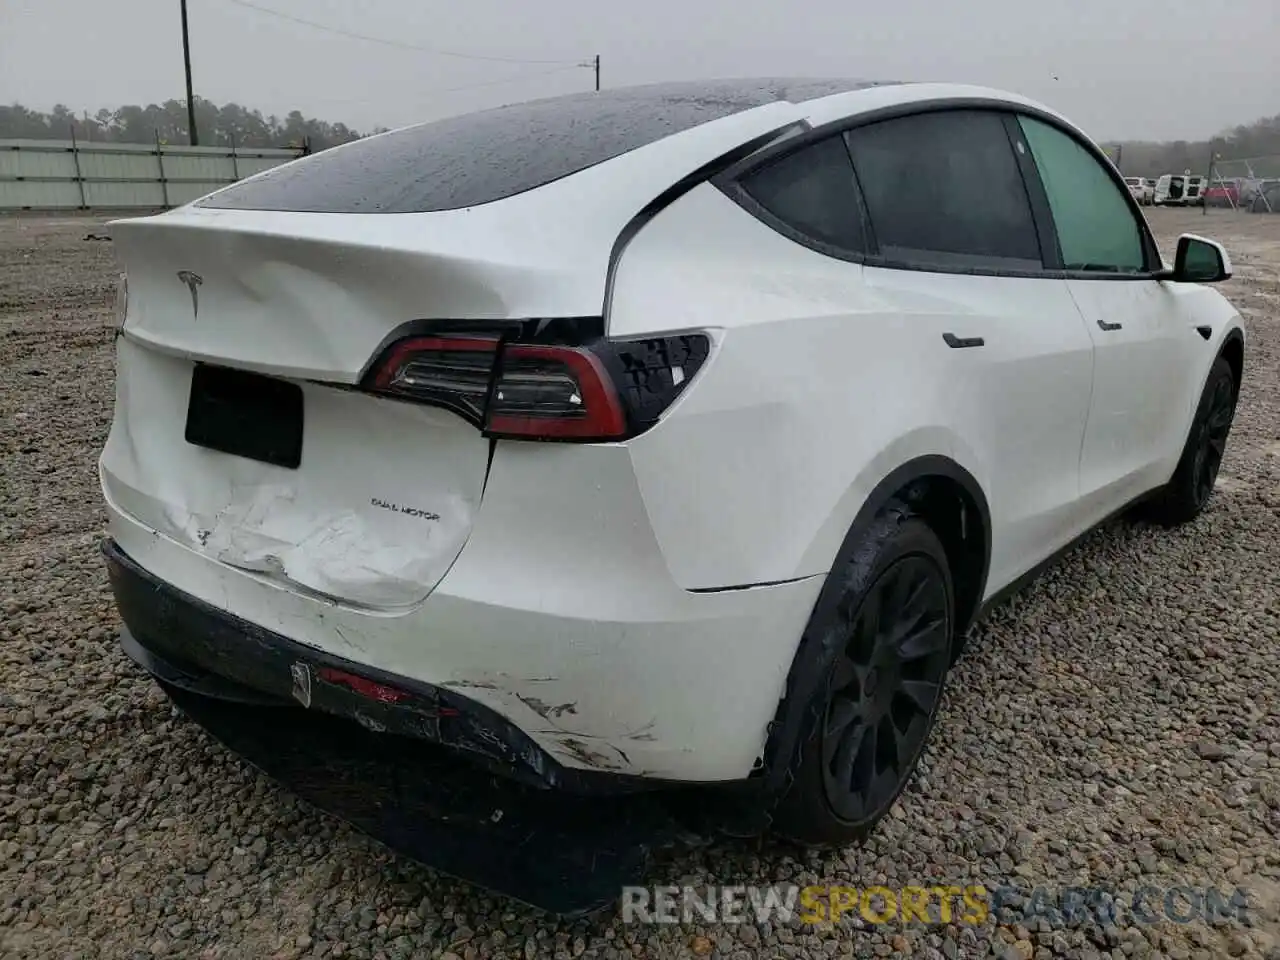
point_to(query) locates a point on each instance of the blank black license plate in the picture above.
(246, 414)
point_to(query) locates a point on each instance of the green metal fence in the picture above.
(66, 175)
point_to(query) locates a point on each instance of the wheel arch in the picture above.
(947, 496)
(1232, 350)
(951, 500)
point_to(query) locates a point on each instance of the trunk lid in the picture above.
(379, 496)
(313, 296)
(380, 504)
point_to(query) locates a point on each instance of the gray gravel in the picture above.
(1118, 724)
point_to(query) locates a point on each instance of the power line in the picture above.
(391, 43)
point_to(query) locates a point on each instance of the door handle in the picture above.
(961, 342)
(1109, 326)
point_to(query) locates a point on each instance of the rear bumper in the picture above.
(561, 852)
(189, 644)
(583, 683)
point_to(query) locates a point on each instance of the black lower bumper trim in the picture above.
(569, 855)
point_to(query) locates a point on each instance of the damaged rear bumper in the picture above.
(191, 645)
(587, 650)
(416, 769)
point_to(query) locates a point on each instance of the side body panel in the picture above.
(825, 378)
(1151, 363)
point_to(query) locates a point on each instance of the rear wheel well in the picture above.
(946, 497)
(957, 520)
(1233, 353)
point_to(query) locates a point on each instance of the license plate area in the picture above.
(246, 415)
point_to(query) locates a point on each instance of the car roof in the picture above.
(488, 155)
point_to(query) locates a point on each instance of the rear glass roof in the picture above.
(481, 157)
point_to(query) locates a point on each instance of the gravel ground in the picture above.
(1118, 724)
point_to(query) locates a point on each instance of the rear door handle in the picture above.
(960, 342)
(1109, 326)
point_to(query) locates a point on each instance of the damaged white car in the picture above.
(674, 434)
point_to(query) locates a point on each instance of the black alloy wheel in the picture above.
(1188, 491)
(885, 687)
(1212, 444)
(867, 680)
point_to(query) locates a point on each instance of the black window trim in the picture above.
(728, 182)
(734, 189)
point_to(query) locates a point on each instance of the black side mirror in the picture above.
(1200, 261)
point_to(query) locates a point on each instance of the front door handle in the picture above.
(1109, 326)
(960, 342)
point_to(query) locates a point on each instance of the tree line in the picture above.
(1259, 140)
(216, 125)
(233, 123)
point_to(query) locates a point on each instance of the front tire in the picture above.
(892, 633)
(1187, 493)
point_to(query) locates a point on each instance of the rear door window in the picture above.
(1097, 229)
(812, 192)
(943, 190)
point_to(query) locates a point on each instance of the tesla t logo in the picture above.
(193, 281)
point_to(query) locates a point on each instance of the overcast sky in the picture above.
(1161, 69)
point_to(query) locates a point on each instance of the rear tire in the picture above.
(1187, 493)
(892, 633)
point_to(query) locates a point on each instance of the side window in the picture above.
(1096, 229)
(812, 191)
(943, 189)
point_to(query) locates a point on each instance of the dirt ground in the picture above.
(1118, 725)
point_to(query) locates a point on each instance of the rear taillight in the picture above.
(452, 372)
(602, 390)
(554, 393)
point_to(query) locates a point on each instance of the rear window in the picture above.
(813, 192)
(482, 157)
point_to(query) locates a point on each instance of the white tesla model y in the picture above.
(668, 434)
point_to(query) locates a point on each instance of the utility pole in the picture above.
(1208, 179)
(192, 137)
(596, 63)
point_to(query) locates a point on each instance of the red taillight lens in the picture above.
(599, 390)
(454, 372)
(553, 392)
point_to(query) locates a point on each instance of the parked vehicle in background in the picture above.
(1141, 189)
(1179, 190)
(1223, 193)
(1266, 198)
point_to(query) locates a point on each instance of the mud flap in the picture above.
(565, 854)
